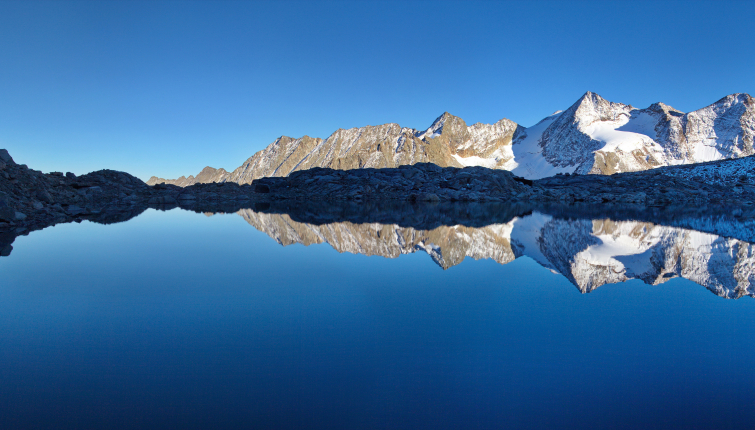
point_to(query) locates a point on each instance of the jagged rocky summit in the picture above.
(593, 136)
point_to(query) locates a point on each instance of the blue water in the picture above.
(179, 320)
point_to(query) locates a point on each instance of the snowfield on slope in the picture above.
(529, 161)
(627, 133)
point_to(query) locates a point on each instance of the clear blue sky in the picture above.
(166, 88)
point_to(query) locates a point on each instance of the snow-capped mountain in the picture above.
(598, 136)
(593, 136)
(589, 253)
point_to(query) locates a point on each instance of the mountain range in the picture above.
(592, 136)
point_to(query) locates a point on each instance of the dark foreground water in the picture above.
(179, 320)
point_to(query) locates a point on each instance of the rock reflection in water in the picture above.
(589, 253)
(590, 245)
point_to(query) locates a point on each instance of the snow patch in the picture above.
(491, 162)
(529, 161)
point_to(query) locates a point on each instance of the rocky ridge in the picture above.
(429, 182)
(47, 197)
(593, 136)
(30, 199)
(613, 137)
(207, 175)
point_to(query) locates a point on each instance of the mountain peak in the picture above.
(208, 170)
(590, 97)
(663, 108)
(592, 107)
(436, 128)
(445, 116)
(736, 98)
(736, 103)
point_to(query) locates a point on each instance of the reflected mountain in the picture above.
(591, 245)
(589, 253)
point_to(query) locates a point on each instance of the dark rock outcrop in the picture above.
(31, 200)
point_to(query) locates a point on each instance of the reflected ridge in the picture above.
(588, 252)
(589, 245)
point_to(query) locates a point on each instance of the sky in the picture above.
(166, 88)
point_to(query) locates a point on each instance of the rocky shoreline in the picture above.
(430, 183)
(31, 200)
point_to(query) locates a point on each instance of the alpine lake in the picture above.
(463, 316)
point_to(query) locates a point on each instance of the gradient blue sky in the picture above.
(166, 88)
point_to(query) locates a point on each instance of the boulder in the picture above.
(162, 200)
(7, 214)
(44, 196)
(74, 210)
(430, 198)
(4, 156)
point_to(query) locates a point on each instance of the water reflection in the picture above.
(589, 253)
(590, 245)
(175, 320)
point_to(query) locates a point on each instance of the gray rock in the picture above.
(44, 196)
(6, 157)
(20, 216)
(162, 200)
(430, 197)
(7, 214)
(75, 210)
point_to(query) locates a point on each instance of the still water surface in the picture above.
(179, 320)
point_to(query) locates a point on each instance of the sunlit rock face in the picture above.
(593, 136)
(596, 136)
(589, 253)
